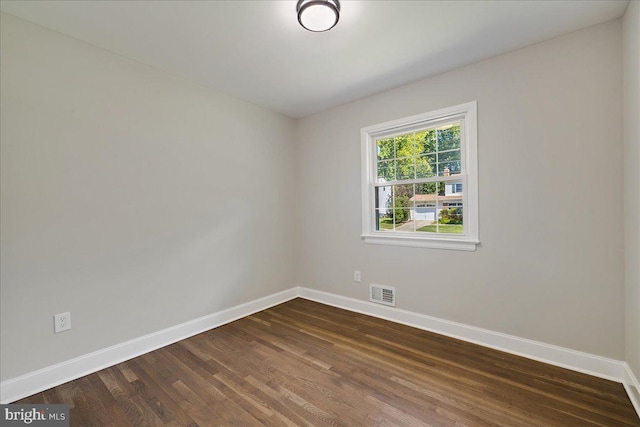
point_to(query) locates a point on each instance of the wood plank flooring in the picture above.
(306, 364)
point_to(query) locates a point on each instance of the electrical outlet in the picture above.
(61, 322)
(356, 276)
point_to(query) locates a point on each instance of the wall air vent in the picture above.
(382, 294)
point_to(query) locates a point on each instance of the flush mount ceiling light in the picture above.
(318, 15)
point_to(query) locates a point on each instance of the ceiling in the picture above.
(257, 51)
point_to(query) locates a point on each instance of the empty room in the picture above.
(320, 213)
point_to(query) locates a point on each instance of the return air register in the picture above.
(382, 294)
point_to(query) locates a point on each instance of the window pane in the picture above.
(384, 220)
(449, 163)
(385, 148)
(450, 197)
(449, 137)
(403, 206)
(426, 166)
(404, 146)
(426, 142)
(452, 192)
(450, 209)
(449, 168)
(405, 168)
(384, 208)
(449, 156)
(402, 195)
(450, 219)
(403, 220)
(438, 207)
(383, 200)
(386, 171)
(426, 188)
(425, 205)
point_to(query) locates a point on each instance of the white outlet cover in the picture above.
(357, 276)
(61, 322)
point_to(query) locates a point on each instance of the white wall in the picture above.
(550, 266)
(631, 67)
(134, 199)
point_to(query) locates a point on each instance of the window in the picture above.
(419, 180)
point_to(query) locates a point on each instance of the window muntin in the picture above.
(434, 151)
(415, 173)
(419, 207)
(420, 158)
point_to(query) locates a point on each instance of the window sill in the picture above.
(456, 244)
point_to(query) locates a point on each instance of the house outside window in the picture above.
(419, 180)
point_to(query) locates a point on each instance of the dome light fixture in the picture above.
(318, 15)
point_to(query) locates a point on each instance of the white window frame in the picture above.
(469, 160)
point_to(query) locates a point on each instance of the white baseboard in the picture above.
(51, 376)
(559, 356)
(632, 386)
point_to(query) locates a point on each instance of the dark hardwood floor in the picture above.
(306, 364)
